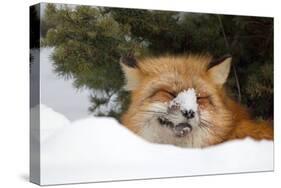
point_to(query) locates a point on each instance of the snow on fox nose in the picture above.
(186, 102)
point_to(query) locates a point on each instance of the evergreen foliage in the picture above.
(89, 42)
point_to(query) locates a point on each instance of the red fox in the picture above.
(181, 100)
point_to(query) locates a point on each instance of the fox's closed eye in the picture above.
(170, 93)
(163, 95)
(203, 99)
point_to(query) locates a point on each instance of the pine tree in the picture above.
(89, 42)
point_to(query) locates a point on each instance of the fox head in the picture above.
(178, 100)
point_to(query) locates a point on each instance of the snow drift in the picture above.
(100, 149)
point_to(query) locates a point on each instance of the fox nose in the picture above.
(188, 114)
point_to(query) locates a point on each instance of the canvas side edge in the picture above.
(34, 32)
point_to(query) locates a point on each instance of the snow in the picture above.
(187, 100)
(100, 149)
(47, 129)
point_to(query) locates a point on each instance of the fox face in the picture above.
(178, 100)
(181, 101)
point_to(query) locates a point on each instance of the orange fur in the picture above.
(158, 80)
(244, 126)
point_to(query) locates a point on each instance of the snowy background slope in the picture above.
(100, 149)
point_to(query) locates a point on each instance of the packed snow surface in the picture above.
(100, 149)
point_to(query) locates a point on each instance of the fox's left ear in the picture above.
(220, 69)
(131, 71)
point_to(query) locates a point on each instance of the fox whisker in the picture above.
(156, 112)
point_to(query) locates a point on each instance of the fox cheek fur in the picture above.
(155, 83)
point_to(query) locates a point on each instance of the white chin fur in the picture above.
(154, 132)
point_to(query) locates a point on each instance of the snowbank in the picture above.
(100, 149)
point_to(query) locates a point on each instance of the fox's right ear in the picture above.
(219, 69)
(131, 71)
